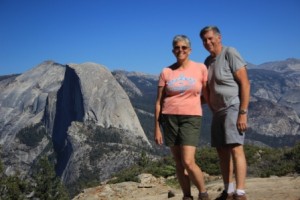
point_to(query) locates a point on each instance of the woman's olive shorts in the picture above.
(181, 129)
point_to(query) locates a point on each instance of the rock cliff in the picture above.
(78, 114)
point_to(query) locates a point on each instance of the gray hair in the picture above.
(183, 38)
(215, 29)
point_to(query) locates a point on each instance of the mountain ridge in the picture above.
(92, 122)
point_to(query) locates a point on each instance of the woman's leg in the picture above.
(194, 171)
(183, 180)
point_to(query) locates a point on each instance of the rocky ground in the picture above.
(151, 188)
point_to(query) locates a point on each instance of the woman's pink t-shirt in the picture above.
(183, 89)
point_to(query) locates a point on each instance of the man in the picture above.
(227, 94)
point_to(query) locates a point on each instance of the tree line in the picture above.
(44, 184)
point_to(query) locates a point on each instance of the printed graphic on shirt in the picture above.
(181, 84)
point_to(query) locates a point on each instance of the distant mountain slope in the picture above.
(141, 89)
(290, 64)
(274, 107)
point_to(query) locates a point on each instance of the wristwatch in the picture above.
(243, 111)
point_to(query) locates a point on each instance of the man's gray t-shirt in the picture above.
(223, 89)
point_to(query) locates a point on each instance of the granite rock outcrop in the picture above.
(78, 114)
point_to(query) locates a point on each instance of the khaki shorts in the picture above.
(181, 129)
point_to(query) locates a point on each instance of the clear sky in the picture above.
(136, 35)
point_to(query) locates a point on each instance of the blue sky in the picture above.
(136, 35)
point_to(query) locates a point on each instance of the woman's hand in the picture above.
(158, 137)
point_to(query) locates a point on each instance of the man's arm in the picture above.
(241, 76)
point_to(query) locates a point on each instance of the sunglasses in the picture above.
(176, 48)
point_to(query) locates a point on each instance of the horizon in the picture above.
(130, 71)
(136, 36)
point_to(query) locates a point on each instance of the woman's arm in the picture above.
(158, 104)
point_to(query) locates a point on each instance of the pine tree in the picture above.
(48, 185)
(12, 187)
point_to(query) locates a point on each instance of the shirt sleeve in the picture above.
(162, 79)
(234, 59)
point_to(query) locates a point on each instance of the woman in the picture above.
(178, 110)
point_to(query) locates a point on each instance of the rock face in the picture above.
(24, 98)
(23, 101)
(104, 101)
(81, 109)
(275, 103)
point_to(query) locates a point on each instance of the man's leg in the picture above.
(226, 165)
(240, 165)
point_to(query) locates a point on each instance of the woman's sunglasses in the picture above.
(176, 48)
